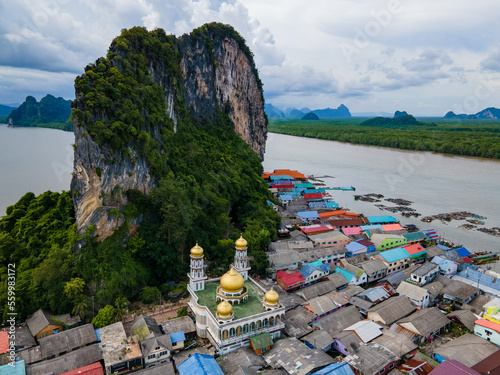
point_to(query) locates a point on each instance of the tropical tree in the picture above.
(121, 304)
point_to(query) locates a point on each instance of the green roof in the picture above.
(253, 305)
(261, 341)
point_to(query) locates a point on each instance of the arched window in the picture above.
(271, 321)
(265, 323)
(252, 326)
(224, 334)
(245, 328)
(232, 332)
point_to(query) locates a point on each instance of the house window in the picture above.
(382, 371)
(151, 356)
(391, 366)
(157, 348)
(165, 352)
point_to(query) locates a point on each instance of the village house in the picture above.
(398, 343)
(424, 274)
(382, 219)
(391, 310)
(488, 283)
(489, 365)
(284, 260)
(41, 324)
(199, 364)
(371, 359)
(417, 253)
(467, 349)
(241, 361)
(464, 318)
(183, 324)
(378, 293)
(67, 341)
(290, 281)
(395, 259)
(358, 247)
(318, 339)
(346, 342)
(487, 330)
(338, 320)
(120, 353)
(446, 266)
(423, 324)
(156, 350)
(375, 269)
(68, 362)
(366, 330)
(294, 357)
(419, 296)
(320, 307)
(456, 292)
(332, 238)
(353, 274)
(315, 271)
(415, 237)
(261, 343)
(144, 327)
(318, 289)
(453, 367)
(387, 241)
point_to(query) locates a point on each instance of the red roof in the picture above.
(4, 342)
(488, 324)
(347, 222)
(290, 278)
(365, 243)
(287, 186)
(93, 369)
(467, 260)
(414, 249)
(317, 229)
(313, 196)
(453, 367)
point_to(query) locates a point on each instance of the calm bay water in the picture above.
(37, 160)
(435, 183)
(33, 159)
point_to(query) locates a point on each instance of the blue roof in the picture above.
(373, 226)
(394, 255)
(286, 197)
(382, 219)
(462, 251)
(443, 247)
(281, 177)
(317, 204)
(310, 191)
(354, 246)
(347, 275)
(443, 263)
(98, 334)
(481, 278)
(332, 204)
(307, 270)
(199, 364)
(342, 368)
(308, 214)
(324, 267)
(18, 369)
(177, 336)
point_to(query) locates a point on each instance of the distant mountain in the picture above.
(488, 113)
(305, 110)
(399, 114)
(54, 112)
(452, 115)
(395, 122)
(295, 113)
(341, 111)
(310, 116)
(371, 114)
(272, 111)
(5, 110)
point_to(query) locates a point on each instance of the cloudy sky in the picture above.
(422, 56)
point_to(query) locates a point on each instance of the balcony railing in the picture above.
(246, 335)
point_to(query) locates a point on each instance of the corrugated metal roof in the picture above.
(346, 274)
(342, 368)
(4, 342)
(367, 330)
(394, 255)
(462, 251)
(177, 336)
(18, 369)
(93, 369)
(308, 214)
(415, 236)
(352, 231)
(199, 364)
(382, 219)
(377, 293)
(453, 367)
(354, 246)
(286, 197)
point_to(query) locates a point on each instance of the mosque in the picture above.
(232, 309)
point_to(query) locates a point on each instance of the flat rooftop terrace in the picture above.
(252, 306)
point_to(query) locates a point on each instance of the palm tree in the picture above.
(81, 307)
(121, 304)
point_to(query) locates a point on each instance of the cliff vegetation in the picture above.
(161, 162)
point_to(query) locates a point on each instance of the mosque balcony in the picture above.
(244, 336)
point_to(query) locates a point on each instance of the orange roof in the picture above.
(4, 342)
(413, 249)
(325, 215)
(288, 172)
(388, 227)
(488, 324)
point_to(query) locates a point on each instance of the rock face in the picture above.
(216, 74)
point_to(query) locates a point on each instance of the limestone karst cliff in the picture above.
(150, 87)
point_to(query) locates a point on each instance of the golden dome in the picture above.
(224, 309)
(272, 297)
(241, 243)
(232, 281)
(197, 251)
